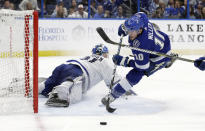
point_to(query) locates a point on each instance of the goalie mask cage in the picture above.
(18, 61)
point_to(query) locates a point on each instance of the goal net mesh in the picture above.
(16, 61)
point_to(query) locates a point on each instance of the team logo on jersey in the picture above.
(136, 43)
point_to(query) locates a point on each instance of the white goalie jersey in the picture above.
(95, 69)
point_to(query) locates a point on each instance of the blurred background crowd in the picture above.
(159, 9)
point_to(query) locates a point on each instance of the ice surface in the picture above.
(171, 99)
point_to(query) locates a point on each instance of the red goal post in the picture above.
(18, 61)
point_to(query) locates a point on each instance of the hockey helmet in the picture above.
(100, 49)
(136, 22)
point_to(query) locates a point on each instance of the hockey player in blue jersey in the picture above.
(142, 34)
(200, 63)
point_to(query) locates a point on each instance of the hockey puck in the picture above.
(103, 123)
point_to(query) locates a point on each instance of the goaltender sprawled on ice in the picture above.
(72, 79)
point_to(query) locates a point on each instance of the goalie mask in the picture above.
(100, 49)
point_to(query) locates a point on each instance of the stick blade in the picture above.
(102, 33)
(110, 109)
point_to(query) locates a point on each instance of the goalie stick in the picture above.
(107, 39)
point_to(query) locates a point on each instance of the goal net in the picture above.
(18, 61)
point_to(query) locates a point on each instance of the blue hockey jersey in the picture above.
(153, 40)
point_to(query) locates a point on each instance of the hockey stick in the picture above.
(107, 39)
(108, 108)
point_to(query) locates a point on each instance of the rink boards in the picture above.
(77, 37)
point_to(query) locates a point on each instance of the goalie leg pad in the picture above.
(70, 91)
(63, 90)
(76, 92)
(59, 97)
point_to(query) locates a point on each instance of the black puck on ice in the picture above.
(103, 123)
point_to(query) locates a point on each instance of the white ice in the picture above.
(170, 100)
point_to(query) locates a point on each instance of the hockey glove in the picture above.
(200, 63)
(122, 30)
(120, 60)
